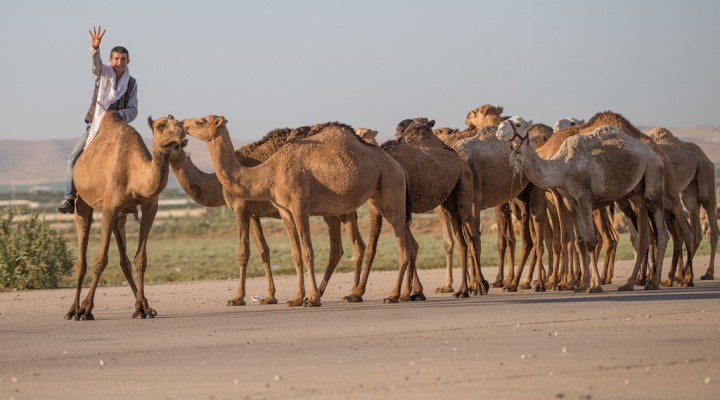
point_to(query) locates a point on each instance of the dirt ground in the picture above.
(639, 345)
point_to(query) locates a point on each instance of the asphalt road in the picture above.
(615, 345)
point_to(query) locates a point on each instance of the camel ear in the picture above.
(150, 121)
(529, 122)
(431, 123)
(220, 121)
(171, 116)
(500, 109)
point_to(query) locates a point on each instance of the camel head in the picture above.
(412, 127)
(539, 134)
(206, 128)
(515, 131)
(367, 135)
(484, 115)
(567, 122)
(168, 133)
(445, 133)
(661, 134)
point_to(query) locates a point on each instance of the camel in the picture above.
(695, 177)
(114, 175)
(205, 189)
(678, 224)
(486, 114)
(330, 172)
(608, 238)
(503, 218)
(438, 177)
(566, 123)
(367, 135)
(484, 150)
(496, 183)
(584, 171)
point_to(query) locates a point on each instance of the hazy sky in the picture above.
(271, 64)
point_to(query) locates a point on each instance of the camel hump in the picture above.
(334, 126)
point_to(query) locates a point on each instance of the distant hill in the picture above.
(42, 162)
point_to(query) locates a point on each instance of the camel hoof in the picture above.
(418, 297)
(391, 300)
(87, 317)
(461, 295)
(295, 303)
(484, 287)
(688, 284)
(525, 285)
(626, 288)
(444, 289)
(312, 303)
(582, 288)
(405, 297)
(708, 277)
(236, 302)
(510, 289)
(267, 301)
(651, 286)
(497, 284)
(353, 298)
(594, 289)
(667, 282)
(538, 288)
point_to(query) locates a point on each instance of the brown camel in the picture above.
(695, 177)
(677, 223)
(584, 171)
(437, 178)
(367, 135)
(496, 183)
(114, 175)
(476, 121)
(205, 189)
(330, 172)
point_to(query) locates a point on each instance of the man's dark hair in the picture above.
(121, 50)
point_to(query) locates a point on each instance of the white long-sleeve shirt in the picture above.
(97, 68)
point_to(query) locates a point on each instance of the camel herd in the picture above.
(562, 183)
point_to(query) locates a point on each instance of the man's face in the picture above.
(119, 62)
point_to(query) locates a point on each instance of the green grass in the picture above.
(205, 248)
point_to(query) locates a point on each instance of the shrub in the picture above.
(32, 254)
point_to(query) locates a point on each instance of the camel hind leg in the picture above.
(360, 282)
(449, 244)
(121, 239)
(108, 221)
(264, 255)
